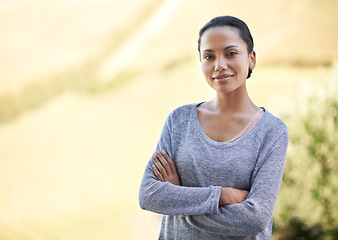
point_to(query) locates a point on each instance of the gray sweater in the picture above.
(254, 162)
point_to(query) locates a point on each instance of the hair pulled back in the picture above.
(231, 21)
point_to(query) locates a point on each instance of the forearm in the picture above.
(166, 198)
(244, 219)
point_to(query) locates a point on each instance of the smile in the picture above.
(223, 77)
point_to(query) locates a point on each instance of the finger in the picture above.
(164, 162)
(159, 166)
(157, 173)
(171, 163)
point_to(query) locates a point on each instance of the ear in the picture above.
(252, 60)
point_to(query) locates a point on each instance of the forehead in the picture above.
(225, 35)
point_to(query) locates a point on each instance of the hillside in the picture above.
(42, 38)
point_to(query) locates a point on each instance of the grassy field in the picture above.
(72, 163)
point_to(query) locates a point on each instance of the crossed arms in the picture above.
(165, 171)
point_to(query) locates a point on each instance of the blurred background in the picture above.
(85, 87)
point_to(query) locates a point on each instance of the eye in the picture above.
(231, 54)
(208, 57)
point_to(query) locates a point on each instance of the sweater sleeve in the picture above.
(166, 198)
(253, 215)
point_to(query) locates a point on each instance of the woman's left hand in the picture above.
(165, 169)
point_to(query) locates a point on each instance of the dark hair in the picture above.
(222, 21)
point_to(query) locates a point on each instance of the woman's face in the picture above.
(225, 59)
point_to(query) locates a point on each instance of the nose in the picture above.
(221, 64)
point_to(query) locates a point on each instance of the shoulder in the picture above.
(272, 127)
(274, 121)
(183, 112)
(181, 116)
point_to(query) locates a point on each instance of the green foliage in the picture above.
(298, 230)
(308, 206)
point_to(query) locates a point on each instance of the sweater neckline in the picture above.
(217, 144)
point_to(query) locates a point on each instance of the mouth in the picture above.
(223, 77)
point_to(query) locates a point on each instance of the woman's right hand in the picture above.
(165, 169)
(232, 196)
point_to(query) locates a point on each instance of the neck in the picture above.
(234, 102)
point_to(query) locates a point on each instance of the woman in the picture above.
(218, 165)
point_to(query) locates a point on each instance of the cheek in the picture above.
(206, 68)
(241, 63)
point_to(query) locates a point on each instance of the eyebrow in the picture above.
(226, 48)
